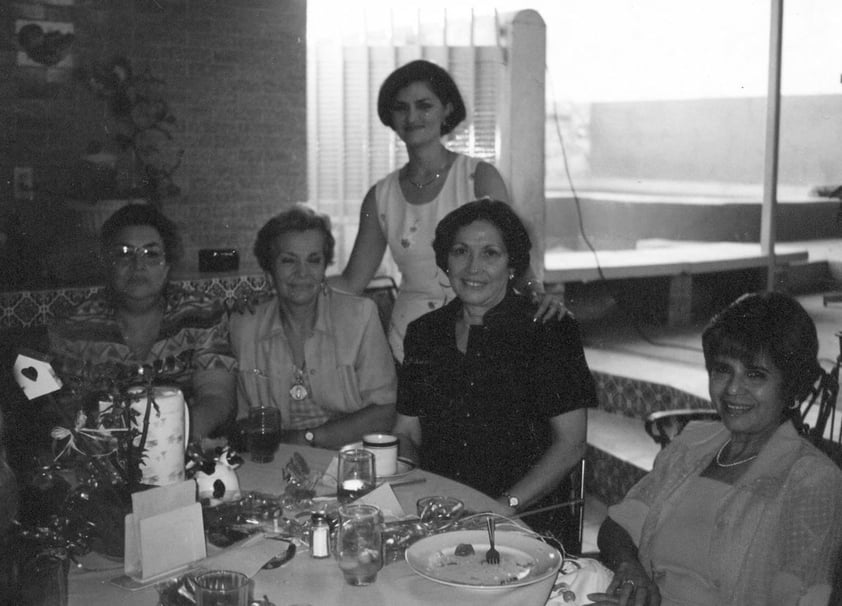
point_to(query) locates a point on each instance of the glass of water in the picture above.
(359, 542)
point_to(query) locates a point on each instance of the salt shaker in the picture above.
(319, 536)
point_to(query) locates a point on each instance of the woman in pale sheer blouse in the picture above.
(740, 512)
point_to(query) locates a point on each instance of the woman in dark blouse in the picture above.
(486, 395)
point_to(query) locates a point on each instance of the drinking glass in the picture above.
(355, 476)
(359, 542)
(263, 432)
(222, 588)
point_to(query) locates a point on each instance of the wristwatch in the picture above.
(310, 437)
(513, 501)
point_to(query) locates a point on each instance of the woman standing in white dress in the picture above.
(421, 103)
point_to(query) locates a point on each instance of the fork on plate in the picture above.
(492, 556)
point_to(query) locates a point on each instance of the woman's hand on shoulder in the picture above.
(549, 306)
(488, 183)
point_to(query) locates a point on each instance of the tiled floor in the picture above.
(674, 356)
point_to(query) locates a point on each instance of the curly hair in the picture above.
(298, 218)
(768, 324)
(133, 215)
(439, 81)
(500, 215)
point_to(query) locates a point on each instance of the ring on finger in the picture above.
(629, 582)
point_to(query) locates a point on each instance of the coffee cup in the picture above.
(384, 447)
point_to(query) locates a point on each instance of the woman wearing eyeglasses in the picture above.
(139, 320)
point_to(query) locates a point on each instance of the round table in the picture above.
(319, 582)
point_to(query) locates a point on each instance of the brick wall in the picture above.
(235, 76)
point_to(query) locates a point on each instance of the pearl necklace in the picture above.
(735, 463)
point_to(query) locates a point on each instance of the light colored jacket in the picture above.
(348, 362)
(777, 530)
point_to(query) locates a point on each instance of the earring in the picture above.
(511, 275)
(324, 287)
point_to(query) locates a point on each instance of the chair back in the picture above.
(383, 291)
(663, 425)
(824, 432)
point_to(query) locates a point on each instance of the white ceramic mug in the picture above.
(166, 440)
(384, 447)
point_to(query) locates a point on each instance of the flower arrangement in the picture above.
(99, 441)
(104, 433)
(142, 126)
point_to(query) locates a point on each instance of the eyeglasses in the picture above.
(146, 255)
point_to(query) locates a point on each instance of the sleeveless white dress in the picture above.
(409, 230)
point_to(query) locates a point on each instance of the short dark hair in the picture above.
(769, 324)
(500, 215)
(298, 218)
(132, 215)
(439, 81)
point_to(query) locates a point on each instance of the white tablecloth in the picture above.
(306, 580)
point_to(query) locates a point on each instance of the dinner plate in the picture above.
(523, 560)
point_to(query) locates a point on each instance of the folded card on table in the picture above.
(164, 532)
(384, 498)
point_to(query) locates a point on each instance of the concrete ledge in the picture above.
(692, 258)
(619, 453)
(622, 437)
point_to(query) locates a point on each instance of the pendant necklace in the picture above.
(735, 463)
(427, 183)
(298, 391)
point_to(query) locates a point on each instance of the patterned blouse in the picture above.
(88, 344)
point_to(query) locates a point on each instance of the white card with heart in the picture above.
(35, 375)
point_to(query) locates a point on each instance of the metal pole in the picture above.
(773, 118)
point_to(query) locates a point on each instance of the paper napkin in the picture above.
(384, 498)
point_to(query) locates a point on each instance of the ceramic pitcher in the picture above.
(166, 440)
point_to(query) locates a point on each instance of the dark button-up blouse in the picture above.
(484, 414)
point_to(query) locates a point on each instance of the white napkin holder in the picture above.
(164, 532)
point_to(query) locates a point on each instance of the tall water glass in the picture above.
(355, 476)
(359, 543)
(263, 433)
